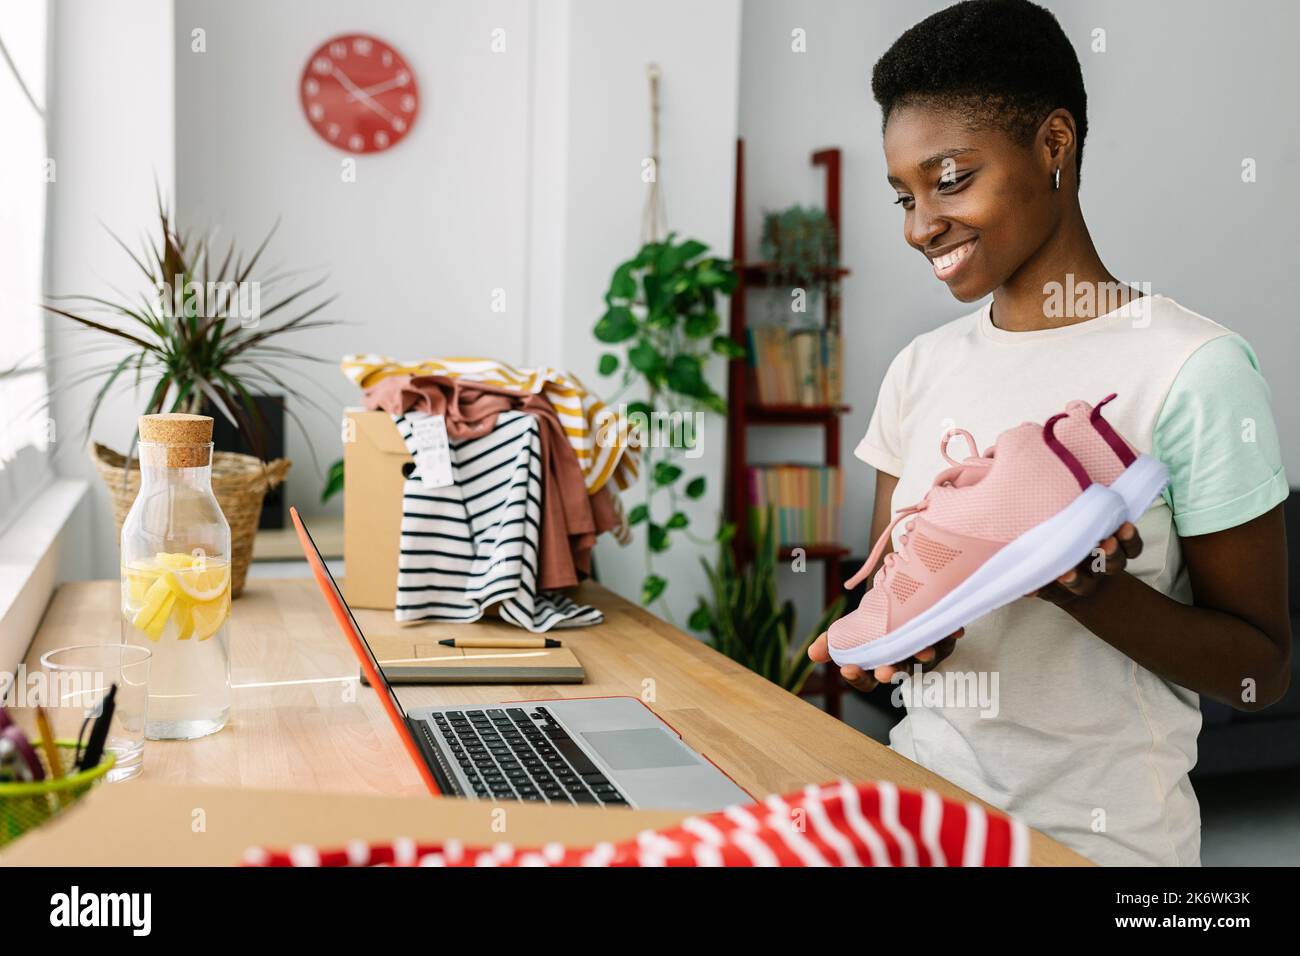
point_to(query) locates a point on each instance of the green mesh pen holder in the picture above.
(25, 806)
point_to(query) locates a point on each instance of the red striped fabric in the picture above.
(835, 824)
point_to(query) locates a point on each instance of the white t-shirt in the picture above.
(1085, 744)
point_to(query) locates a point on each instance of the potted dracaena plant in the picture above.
(201, 341)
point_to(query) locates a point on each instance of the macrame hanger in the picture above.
(654, 216)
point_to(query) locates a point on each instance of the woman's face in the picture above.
(976, 203)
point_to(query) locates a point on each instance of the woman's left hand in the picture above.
(1109, 558)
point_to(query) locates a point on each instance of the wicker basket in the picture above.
(240, 482)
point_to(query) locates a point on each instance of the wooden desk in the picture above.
(301, 721)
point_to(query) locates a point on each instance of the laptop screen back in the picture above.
(352, 631)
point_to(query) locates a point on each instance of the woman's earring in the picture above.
(1056, 179)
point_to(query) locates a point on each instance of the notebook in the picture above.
(411, 654)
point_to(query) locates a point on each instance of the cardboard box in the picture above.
(374, 464)
(143, 823)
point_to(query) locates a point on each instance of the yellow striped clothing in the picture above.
(599, 434)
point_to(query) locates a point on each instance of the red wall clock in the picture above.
(359, 94)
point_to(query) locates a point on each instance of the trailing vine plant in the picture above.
(662, 309)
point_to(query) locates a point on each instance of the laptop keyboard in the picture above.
(514, 753)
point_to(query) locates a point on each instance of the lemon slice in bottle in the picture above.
(202, 592)
(208, 618)
(200, 585)
(140, 576)
(191, 592)
(158, 602)
(183, 617)
(176, 562)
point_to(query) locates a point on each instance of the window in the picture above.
(25, 172)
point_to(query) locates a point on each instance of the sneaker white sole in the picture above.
(1040, 555)
(1140, 484)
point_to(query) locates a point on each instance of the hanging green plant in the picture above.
(662, 309)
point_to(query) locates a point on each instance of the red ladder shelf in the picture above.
(746, 411)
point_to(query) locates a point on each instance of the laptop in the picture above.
(602, 751)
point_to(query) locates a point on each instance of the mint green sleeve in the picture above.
(1216, 435)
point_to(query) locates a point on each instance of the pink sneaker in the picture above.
(1109, 459)
(994, 529)
(1105, 454)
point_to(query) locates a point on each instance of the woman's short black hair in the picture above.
(1007, 62)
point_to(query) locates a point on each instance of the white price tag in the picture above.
(432, 451)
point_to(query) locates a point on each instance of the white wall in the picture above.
(110, 121)
(415, 247)
(1185, 91)
(697, 48)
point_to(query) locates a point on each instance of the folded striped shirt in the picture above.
(474, 544)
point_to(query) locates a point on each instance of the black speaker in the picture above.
(226, 438)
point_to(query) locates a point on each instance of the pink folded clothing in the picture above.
(571, 519)
(835, 824)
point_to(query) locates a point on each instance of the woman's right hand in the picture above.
(863, 680)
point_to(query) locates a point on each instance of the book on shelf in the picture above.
(834, 377)
(805, 502)
(795, 366)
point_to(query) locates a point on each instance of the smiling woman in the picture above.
(984, 120)
(990, 187)
(986, 144)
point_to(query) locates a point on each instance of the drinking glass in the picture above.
(76, 681)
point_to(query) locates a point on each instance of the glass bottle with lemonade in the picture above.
(176, 579)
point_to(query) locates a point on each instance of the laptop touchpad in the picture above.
(639, 749)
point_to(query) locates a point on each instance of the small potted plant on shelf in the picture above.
(202, 341)
(802, 247)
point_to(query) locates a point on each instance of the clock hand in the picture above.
(342, 77)
(365, 100)
(384, 87)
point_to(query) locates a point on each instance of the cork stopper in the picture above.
(181, 441)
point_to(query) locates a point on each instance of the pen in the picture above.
(51, 749)
(47, 743)
(99, 732)
(500, 642)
